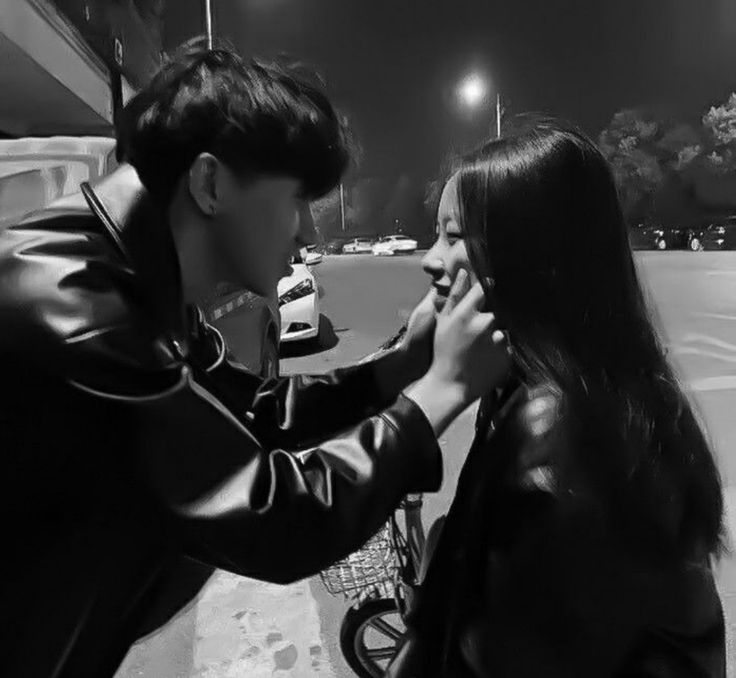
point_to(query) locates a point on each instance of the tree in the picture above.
(628, 145)
(326, 215)
(720, 125)
(648, 155)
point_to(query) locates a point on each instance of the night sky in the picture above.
(393, 66)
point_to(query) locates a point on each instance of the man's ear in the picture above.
(205, 183)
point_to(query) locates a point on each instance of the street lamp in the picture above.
(473, 91)
(208, 23)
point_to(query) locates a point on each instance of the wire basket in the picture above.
(370, 572)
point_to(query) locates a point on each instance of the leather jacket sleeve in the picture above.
(296, 411)
(266, 512)
(243, 503)
(215, 448)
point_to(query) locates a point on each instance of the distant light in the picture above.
(473, 89)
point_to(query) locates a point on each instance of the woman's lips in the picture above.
(441, 296)
(442, 290)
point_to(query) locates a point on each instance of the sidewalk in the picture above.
(238, 627)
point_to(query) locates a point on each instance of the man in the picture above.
(130, 438)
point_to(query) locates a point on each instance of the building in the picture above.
(67, 65)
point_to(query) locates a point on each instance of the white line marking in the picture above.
(721, 383)
(704, 338)
(717, 316)
(685, 350)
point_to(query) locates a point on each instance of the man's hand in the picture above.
(471, 357)
(417, 345)
(411, 359)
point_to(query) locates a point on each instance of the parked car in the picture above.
(717, 233)
(642, 236)
(250, 325)
(299, 302)
(333, 246)
(358, 246)
(394, 244)
(313, 258)
(655, 236)
(35, 171)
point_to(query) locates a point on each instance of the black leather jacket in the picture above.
(534, 577)
(130, 438)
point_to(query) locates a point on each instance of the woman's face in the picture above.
(448, 254)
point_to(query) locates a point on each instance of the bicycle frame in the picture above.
(415, 536)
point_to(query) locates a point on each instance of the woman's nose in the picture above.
(432, 264)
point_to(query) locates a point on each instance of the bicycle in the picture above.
(379, 580)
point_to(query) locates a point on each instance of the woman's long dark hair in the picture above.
(542, 218)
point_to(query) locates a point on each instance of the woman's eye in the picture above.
(452, 238)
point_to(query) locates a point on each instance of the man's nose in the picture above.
(307, 234)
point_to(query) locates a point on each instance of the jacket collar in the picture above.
(139, 228)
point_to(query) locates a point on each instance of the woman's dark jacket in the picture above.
(130, 440)
(540, 571)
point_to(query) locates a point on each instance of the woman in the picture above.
(580, 539)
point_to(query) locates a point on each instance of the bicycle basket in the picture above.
(369, 572)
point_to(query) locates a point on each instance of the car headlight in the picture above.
(303, 289)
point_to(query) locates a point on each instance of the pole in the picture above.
(342, 207)
(208, 23)
(498, 115)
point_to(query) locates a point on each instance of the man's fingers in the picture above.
(483, 323)
(457, 291)
(472, 302)
(429, 298)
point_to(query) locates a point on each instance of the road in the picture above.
(243, 628)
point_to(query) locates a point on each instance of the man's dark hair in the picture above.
(257, 118)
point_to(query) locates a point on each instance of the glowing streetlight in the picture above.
(473, 91)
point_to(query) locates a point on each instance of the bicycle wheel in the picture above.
(370, 637)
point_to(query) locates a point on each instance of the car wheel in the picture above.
(270, 357)
(661, 244)
(695, 245)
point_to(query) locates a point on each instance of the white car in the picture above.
(313, 258)
(358, 246)
(299, 302)
(394, 244)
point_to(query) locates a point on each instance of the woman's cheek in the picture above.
(461, 260)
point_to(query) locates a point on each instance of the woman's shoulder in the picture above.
(533, 422)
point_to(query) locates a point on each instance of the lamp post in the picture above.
(498, 114)
(208, 23)
(342, 207)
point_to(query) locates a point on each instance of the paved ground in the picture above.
(244, 628)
